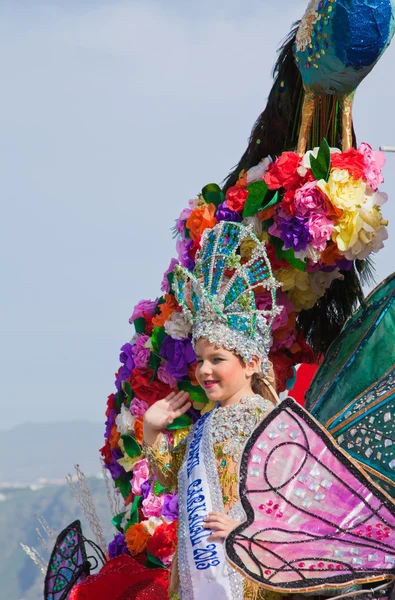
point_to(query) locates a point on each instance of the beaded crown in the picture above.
(218, 297)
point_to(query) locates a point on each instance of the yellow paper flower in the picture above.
(343, 190)
(248, 245)
(302, 299)
(291, 278)
(209, 406)
(345, 233)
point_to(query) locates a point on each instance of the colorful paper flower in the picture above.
(374, 162)
(147, 388)
(143, 307)
(235, 199)
(136, 538)
(284, 172)
(140, 475)
(179, 354)
(201, 218)
(295, 233)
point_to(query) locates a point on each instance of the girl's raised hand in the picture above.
(163, 412)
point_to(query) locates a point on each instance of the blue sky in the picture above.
(113, 115)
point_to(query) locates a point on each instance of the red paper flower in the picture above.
(276, 264)
(283, 369)
(145, 390)
(287, 204)
(111, 404)
(236, 198)
(163, 542)
(352, 160)
(106, 453)
(194, 248)
(283, 173)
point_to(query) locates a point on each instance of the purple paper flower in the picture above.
(183, 248)
(109, 423)
(165, 282)
(224, 213)
(179, 354)
(123, 374)
(344, 264)
(126, 356)
(141, 354)
(295, 233)
(115, 469)
(144, 307)
(170, 507)
(146, 489)
(118, 546)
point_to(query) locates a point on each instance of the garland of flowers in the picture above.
(317, 214)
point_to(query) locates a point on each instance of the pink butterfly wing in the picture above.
(314, 519)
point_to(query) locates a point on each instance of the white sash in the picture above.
(204, 571)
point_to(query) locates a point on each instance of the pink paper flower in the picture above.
(140, 353)
(140, 475)
(374, 162)
(166, 377)
(138, 408)
(309, 199)
(264, 302)
(152, 506)
(143, 307)
(320, 228)
(165, 282)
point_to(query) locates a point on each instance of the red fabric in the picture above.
(304, 376)
(123, 578)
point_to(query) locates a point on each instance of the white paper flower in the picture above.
(152, 523)
(257, 173)
(302, 170)
(125, 421)
(178, 326)
(367, 243)
(321, 281)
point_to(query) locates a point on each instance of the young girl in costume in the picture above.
(231, 339)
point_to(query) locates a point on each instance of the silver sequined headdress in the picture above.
(218, 297)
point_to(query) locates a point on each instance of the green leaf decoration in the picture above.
(287, 255)
(132, 447)
(213, 194)
(154, 364)
(180, 423)
(256, 195)
(321, 166)
(127, 388)
(134, 513)
(117, 520)
(170, 279)
(196, 393)
(153, 563)
(157, 339)
(158, 489)
(124, 486)
(139, 325)
(290, 257)
(272, 202)
(119, 400)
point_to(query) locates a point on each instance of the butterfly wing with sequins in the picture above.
(314, 519)
(68, 564)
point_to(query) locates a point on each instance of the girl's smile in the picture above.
(222, 374)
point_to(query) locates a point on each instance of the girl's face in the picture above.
(222, 374)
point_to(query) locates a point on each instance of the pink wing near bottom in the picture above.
(314, 519)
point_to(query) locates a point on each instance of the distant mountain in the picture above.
(49, 450)
(19, 576)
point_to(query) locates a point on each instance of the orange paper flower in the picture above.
(114, 437)
(166, 310)
(137, 538)
(331, 254)
(138, 430)
(200, 219)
